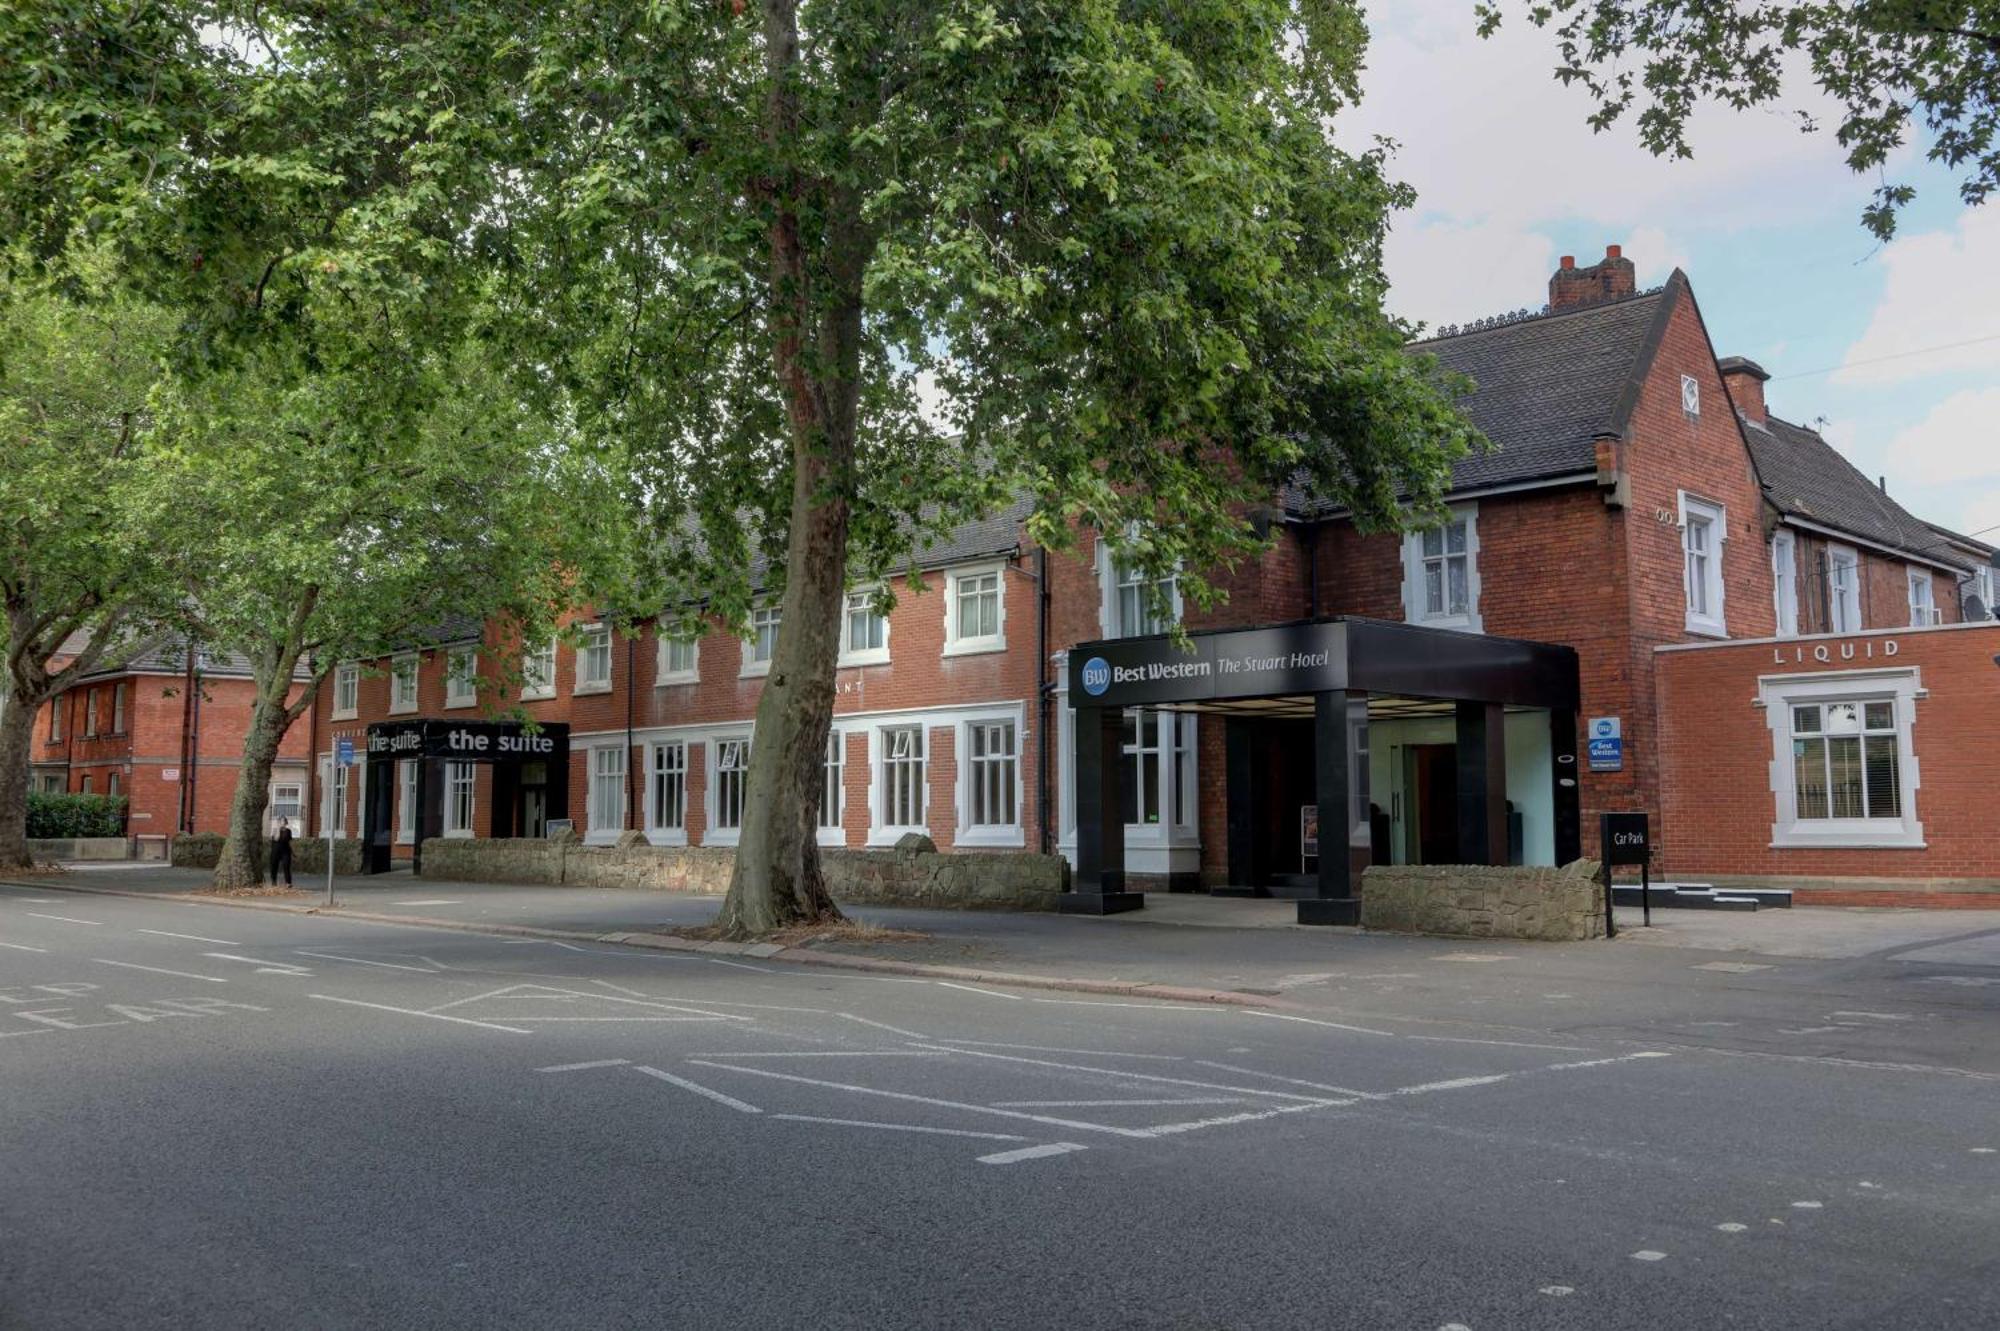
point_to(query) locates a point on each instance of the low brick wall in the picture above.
(81, 848)
(1478, 901)
(975, 881)
(202, 850)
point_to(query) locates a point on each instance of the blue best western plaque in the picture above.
(343, 751)
(1607, 744)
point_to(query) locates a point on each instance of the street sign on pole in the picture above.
(343, 756)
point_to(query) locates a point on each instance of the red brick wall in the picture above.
(1718, 809)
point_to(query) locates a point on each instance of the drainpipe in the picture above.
(194, 744)
(182, 812)
(631, 706)
(1043, 690)
(312, 763)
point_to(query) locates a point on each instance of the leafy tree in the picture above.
(77, 573)
(846, 272)
(1893, 66)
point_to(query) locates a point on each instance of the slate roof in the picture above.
(1805, 477)
(997, 533)
(1545, 387)
(166, 654)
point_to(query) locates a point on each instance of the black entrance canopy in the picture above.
(530, 777)
(1335, 663)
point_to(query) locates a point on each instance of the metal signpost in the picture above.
(1624, 838)
(343, 756)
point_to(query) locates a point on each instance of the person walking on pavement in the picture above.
(281, 854)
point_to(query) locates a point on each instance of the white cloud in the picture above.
(1958, 442)
(1942, 287)
(1448, 272)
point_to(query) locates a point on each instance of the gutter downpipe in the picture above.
(184, 812)
(194, 745)
(1044, 690)
(631, 705)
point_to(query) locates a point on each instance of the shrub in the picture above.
(61, 817)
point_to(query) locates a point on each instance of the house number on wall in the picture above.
(1665, 517)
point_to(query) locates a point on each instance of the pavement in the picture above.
(224, 1117)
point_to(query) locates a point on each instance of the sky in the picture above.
(1892, 350)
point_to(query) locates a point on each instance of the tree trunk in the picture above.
(241, 861)
(17, 733)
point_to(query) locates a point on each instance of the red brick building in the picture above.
(1639, 506)
(166, 732)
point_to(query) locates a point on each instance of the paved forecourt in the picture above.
(224, 1117)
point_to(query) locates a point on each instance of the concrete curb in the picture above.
(798, 956)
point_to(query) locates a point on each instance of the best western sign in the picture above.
(1262, 663)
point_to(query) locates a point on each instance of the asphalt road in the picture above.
(225, 1118)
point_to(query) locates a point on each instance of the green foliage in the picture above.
(61, 817)
(1895, 67)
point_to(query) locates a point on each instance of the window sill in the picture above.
(885, 838)
(677, 677)
(1456, 623)
(666, 836)
(460, 705)
(1887, 838)
(834, 837)
(992, 838)
(586, 690)
(603, 837)
(757, 671)
(462, 834)
(347, 715)
(974, 647)
(403, 711)
(847, 661)
(723, 836)
(1707, 628)
(537, 695)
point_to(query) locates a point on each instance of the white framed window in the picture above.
(458, 793)
(593, 660)
(338, 830)
(461, 677)
(1983, 580)
(606, 806)
(118, 709)
(84, 784)
(975, 610)
(762, 644)
(899, 781)
(991, 800)
(1844, 766)
(90, 714)
(346, 691)
(57, 705)
(1843, 590)
(679, 661)
(1159, 793)
(1691, 397)
(728, 785)
(406, 800)
(1785, 582)
(111, 784)
(403, 683)
(666, 793)
(538, 672)
(1923, 600)
(1704, 529)
(1441, 572)
(864, 630)
(833, 790)
(1126, 611)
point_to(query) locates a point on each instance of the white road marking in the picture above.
(924, 1099)
(1731, 1227)
(192, 938)
(264, 967)
(1055, 1049)
(1455, 1084)
(537, 1017)
(1807, 1206)
(1504, 1044)
(1289, 1081)
(1314, 1021)
(990, 993)
(157, 970)
(363, 961)
(1982, 1150)
(1832, 1062)
(1169, 1129)
(64, 918)
(1557, 1291)
(1031, 1153)
(594, 1063)
(23, 947)
(882, 1026)
(551, 993)
(901, 1127)
(1123, 1075)
(824, 1053)
(1875, 1016)
(1151, 1005)
(440, 901)
(1606, 1062)
(412, 1012)
(739, 1106)
(739, 965)
(1648, 1255)
(1730, 967)
(1108, 1104)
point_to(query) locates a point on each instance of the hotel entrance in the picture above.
(438, 766)
(1348, 742)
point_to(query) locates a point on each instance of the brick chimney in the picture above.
(1744, 378)
(1607, 279)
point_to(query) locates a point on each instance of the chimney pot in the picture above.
(1569, 262)
(1614, 251)
(1608, 279)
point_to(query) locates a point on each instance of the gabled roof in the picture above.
(1546, 387)
(1981, 551)
(167, 654)
(1806, 478)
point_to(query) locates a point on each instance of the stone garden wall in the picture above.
(201, 850)
(916, 876)
(1477, 901)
